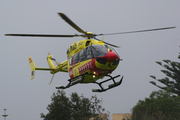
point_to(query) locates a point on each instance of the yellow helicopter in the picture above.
(87, 61)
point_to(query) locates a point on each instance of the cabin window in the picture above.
(87, 43)
(88, 53)
(70, 61)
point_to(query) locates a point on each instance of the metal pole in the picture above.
(5, 114)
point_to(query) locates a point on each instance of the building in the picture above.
(120, 116)
(101, 117)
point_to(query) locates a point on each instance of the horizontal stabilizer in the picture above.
(48, 69)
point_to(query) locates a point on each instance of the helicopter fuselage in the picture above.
(91, 57)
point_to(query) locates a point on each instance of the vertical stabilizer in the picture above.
(50, 63)
(33, 67)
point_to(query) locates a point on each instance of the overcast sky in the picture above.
(25, 99)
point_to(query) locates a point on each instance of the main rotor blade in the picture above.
(70, 22)
(136, 31)
(107, 43)
(110, 44)
(41, 35)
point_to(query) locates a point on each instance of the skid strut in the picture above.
(73, 81)
(115, 84)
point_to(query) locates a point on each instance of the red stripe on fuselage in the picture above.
(71, 72)
(92, 67)
(86, 67)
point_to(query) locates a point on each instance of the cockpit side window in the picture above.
(74, 59)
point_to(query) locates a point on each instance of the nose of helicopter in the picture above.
(111, 56)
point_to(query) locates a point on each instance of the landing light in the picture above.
(94, 76)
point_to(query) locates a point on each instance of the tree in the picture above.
(74, 108)
(159, 106)
(172, 81)
(81, 107)
(60, 108)
(97, 109)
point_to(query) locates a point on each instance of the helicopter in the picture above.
(87, 61)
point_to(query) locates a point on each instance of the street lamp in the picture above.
(5, 114)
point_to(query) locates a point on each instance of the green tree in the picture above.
(159, 106)
(73, 108)
(60, 108)
(81, 107)
(96, 107)
(172, 81)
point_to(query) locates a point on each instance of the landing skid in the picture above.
(74, 81)
(80, 78)
(110, 86)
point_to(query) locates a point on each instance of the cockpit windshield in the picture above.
(99, 50)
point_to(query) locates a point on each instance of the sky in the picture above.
(26, 99)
